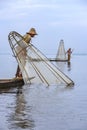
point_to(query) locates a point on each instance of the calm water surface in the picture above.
(38, 107)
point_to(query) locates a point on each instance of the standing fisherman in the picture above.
(69, 51)
(18, 72)
(27, 38)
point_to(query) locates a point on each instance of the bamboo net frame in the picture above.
(34, 65)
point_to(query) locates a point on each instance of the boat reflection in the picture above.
(21, 117)
(61, 65)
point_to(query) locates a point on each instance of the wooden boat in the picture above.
(56, 59)
(7, 83)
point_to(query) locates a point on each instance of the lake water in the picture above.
(39, 107)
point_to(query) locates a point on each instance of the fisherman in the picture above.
(27, 37)
(69, 52)
(18, 72)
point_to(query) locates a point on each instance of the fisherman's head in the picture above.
(32, 32)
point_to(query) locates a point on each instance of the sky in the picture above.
(53, 20)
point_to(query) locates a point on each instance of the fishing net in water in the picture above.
(34, 65)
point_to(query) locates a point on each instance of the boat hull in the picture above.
(7, 83)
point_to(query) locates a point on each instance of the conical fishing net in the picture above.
(34, 65)
(61, 54)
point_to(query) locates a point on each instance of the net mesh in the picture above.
(61, 54)
(34, 65)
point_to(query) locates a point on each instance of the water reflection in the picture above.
(64, 65)
(61, 65)
(21, 117)
(69, 66)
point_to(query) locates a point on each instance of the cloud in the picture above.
(55, 12)
(18, 8)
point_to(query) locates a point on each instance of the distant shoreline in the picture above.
(47, 54)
